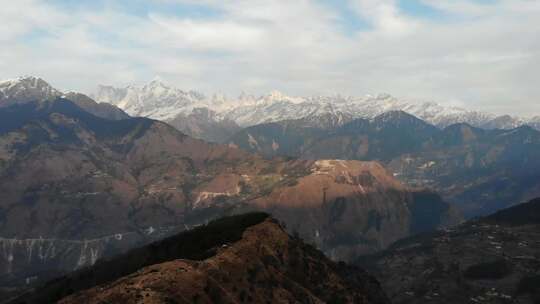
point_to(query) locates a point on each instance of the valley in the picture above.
(67, 174)
(83, 182)
(269, 152)
(489, 260)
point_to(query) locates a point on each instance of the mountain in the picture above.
(75, 182)
(205, 124)
(383, 138)
(164, 102)
(247, 258)
(76, 187)
(102, 109)
(34, 89)
(479, 170)
(520, 215)
(24, 89)
(348, 208)
(506, 122)
(488, 260)
(188, 111)
(155, 99)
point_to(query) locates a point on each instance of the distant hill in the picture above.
(480, 170)
(494, 259)
(522, 214)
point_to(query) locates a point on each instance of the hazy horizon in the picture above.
(477, 54)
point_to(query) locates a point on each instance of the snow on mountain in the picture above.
(160, 101)
(24, 89)
(357, 107)
(155, 99)
(34, 89)
(164, 102)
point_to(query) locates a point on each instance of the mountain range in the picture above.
(130, 203)
(479, 170)
(160, 101)
(69, 174)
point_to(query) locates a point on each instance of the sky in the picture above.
(480, 54)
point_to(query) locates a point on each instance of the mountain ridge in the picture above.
(248, 110)
(34, 89)
(245, 258)
(479, 170)
(68, 174)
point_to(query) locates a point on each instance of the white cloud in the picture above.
(384, 15)
(208, 35)
(484, 55)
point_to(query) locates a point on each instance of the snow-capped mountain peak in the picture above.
(26, 88)
(158, 79)
(155, 99)
(277, 95)
(161, 101)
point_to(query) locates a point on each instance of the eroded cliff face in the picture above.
(27, 262)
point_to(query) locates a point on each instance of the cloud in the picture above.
(208, 35)
(482, 53)
(384, 15)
